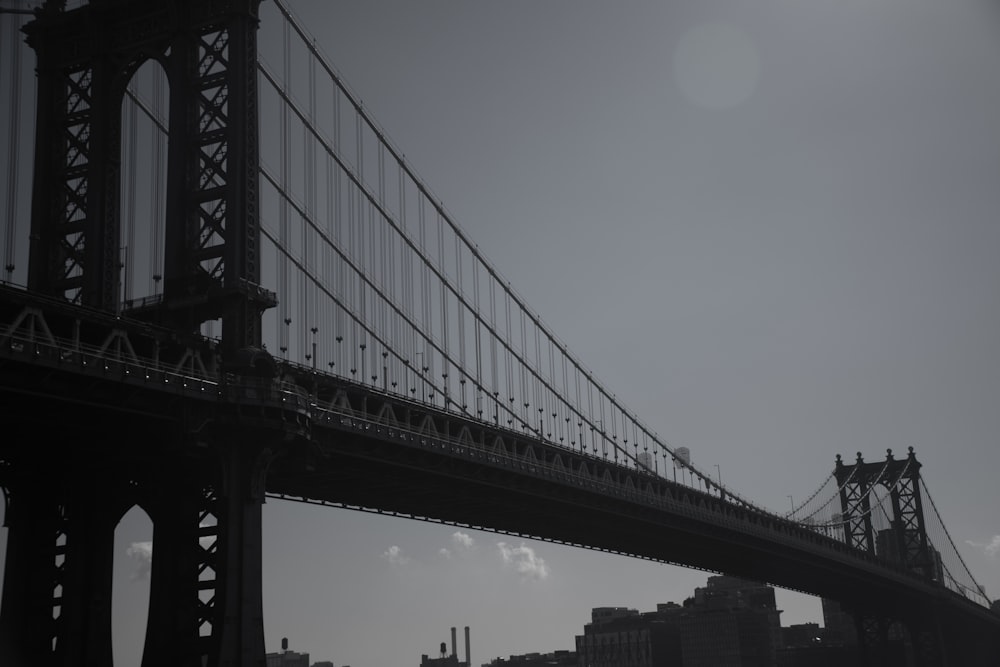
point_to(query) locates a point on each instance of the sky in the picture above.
(770, 228)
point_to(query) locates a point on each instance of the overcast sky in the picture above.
(769, 227)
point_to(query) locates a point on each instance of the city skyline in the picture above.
(771, 231)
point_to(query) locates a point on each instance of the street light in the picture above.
(718, 471)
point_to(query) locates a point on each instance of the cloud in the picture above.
(464, 540)
(524, 561)
(142, 554)
(991, 549)
(444, 553)
(395, 556)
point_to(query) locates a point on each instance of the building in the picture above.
(449, 660)
(444, 660)
(838, 625)
(554, 659)
(730, 622)
(803, 645)
(803, 634)
(286, 658)
(887, 545)
(625, 638)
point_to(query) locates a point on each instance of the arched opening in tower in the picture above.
(133, 559)
(142, 206)
(4, 499)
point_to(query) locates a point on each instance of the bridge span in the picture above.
(308, 436)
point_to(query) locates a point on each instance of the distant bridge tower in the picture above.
(197, 473)
(907, 542)
(904, 542)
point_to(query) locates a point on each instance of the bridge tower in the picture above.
(201, 483)
(904, 542)
(86, 58)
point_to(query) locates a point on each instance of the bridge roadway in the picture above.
(66, 371)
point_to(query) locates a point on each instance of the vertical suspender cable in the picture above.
(283, 314)
(508, 353)
(130, 209)
(494, 335)
(478, 331)
(13, 133)
(310, 317)
(374, 271)
(463, 368)
(340, 330)
(425, 297)
(361, 343)
(443, 305)
(156, 208)
(382, 272)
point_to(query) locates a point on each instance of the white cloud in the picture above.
(524, 561)
(464, 540)
(992, 548)
(395, 556)
(142, 554)
(444, 553)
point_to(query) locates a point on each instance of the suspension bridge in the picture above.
(292, 313)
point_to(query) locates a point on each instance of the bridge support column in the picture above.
(873, 641)
(206, 604)
(173, 631)
(93, 516)
(57, 584)
(27, 626)
(241, 612)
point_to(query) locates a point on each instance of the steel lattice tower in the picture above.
(901, 477)
(201, 484)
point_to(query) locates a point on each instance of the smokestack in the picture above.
(284, 644)
(454, 645)
(468, 660)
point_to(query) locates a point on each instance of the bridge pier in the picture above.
(873, 640)
(34, 516)
(913, 640)
(58, 576)
(206, 599)
(205, 498)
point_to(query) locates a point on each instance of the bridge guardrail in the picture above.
(92, 360)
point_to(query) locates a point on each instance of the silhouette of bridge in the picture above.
(211, 314)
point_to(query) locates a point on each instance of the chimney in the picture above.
(454, 646)
(468, 660)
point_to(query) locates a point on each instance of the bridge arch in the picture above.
(133, 552)
(144, 104)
